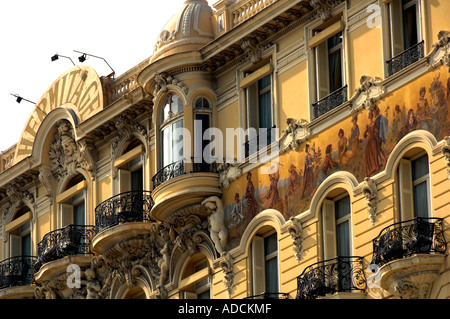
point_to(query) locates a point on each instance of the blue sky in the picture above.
(31, 32)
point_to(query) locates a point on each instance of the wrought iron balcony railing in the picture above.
(128, 207)
(270, 295)
(341, 274)
(17, 271)
(68, 241)
(204, 167)
(259, 142)
(406, 58)
(168, 172)
(329, 102)
(403, 239)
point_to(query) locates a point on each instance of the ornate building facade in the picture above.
(344, 194)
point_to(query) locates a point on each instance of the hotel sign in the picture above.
(79, 89)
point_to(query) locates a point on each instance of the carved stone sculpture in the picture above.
(370, 193)
(296, 232)
(218, 231)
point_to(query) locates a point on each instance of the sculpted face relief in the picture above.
(79, 87)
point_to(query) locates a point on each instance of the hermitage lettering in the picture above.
(78, 89)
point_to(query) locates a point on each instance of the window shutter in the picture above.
(406, 190)
(15, 245)
(322, 76)
(329, 229)
(396, 32)
(124, 181)
(258, 265)
(66, 215)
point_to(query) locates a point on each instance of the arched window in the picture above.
(195, 281)
(171, 125)
(264, 261)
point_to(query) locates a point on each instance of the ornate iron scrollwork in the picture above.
(330, 102)
(126, 207)
(17, 271)
(341, 274)
(406, 58)
(168, 172)
(416, 236)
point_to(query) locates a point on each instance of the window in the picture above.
(404, 25)
(19, 231)
(171, 125)
(196, 279)
(202, 117)
(265, 264)
(259, 112)
(414, 187)
(405, 44)
(336, 216)
(72, 203)
(327, 67)
(130, 168)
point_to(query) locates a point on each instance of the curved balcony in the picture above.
(68, 241)
(341, 274)
(168, 172)
(128, 207)
(416, 236)
(17, 271)
(181, 184)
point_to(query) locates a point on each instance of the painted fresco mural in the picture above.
(361, 144)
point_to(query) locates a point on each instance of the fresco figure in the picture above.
(294, 188)
(308, 173)
(345, 154)
(354, 140)
(251, 204)
(398, 121)
(381, 124)
(371, 154)
(236, 213)
(328, 165)
(423, 113)
(272, 198)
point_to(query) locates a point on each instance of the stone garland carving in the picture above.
(369, 92)
(66, 155)
(228, 172)
(226, 263)
(370, 193)
(296, 132)
(440, 52)
(296, 232)
(163, 80)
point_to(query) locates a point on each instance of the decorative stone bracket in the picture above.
(370, 193)
(296, 132)
(296, 232)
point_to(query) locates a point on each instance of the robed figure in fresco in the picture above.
(251, 203)
(308, 173)
(371, 154)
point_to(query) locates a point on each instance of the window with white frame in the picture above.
(264, 254)
(404, 25)
(414, 187)
(171, 125)
(202, 117)
(336, 216)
